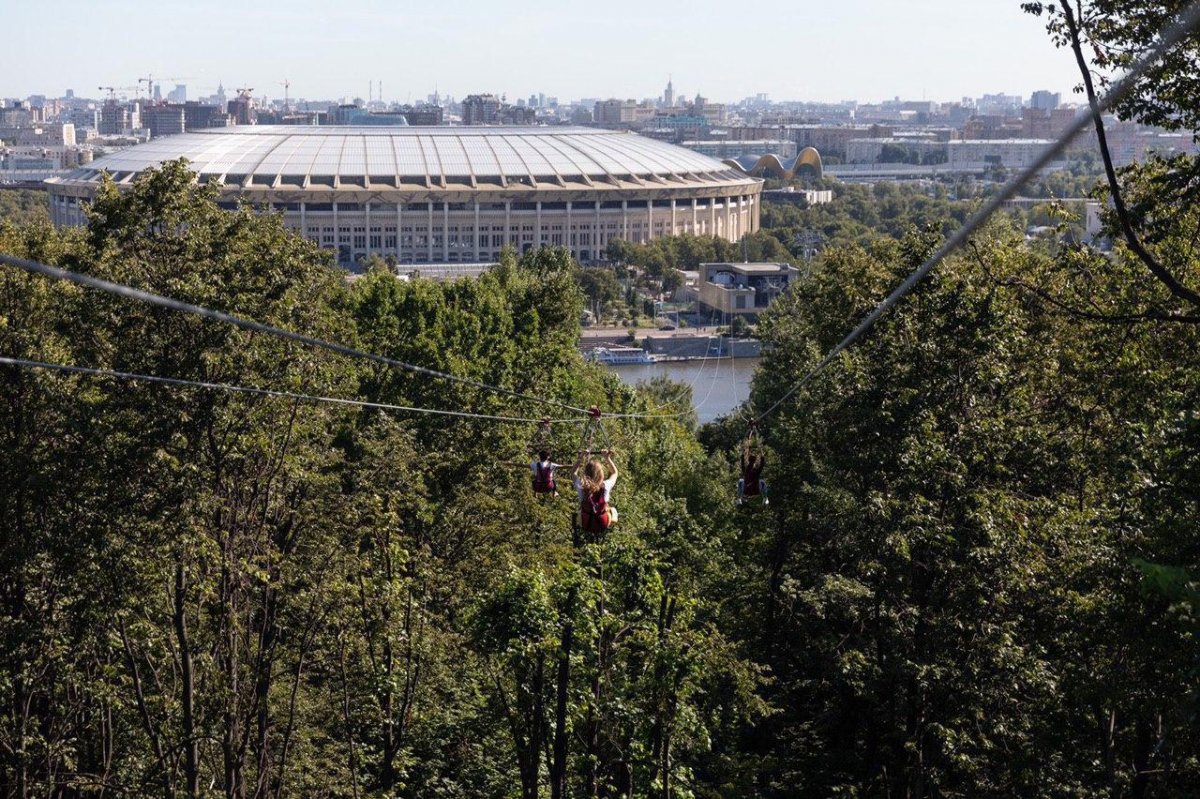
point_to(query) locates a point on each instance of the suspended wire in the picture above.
(712, 384)
(258, 327)
(261, 392)
(1168, 39)
(683, 392)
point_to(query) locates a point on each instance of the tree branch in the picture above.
(1131, 237)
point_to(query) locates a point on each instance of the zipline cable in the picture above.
(261, 392)
(1187, 21)
(248, 324)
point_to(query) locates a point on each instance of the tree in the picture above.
(1115, 31)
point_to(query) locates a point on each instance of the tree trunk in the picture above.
(191, 749)
(558, 773)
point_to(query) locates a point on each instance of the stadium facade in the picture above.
(448, 194)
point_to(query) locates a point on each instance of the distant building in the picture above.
(243, 110)
(423, 114)
(47, 135)
(832, 140)
(721, 148)
(481, 109)
(177, 95)
(1045, 101)
(377, 118)
(201, 116)
(668, 98)
(614, 112)
(164, 120)
(966, 156)
(115, 119)
(1045, 123)
(895, 150)
(743, 289)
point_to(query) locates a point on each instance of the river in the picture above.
(718, 386)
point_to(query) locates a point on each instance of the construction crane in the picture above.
(286, 84)
(112, 90)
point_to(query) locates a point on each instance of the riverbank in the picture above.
(690, 344)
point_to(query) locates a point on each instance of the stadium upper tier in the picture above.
(447, 194)
(328, 157)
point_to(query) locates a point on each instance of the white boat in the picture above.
(619, 356)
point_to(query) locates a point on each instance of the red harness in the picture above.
(593, 512)
(750, 478)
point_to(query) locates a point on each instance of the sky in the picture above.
(821, 50)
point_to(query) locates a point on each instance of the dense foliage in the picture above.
(206, 592)
(22, 206)
(976, 576)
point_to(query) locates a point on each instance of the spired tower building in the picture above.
(669, 95)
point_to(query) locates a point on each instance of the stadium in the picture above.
(448, 194)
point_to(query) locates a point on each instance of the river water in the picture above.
(718, 385)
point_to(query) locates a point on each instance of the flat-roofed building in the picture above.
(728, 289)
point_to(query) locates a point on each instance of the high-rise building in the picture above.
(114, 119)
(1045, 101)
(242, 109)
(481, 109)
(199, 116)
(668, 97)
(163, 120)
(614, 112)
(178, 94)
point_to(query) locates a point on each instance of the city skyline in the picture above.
(928, 49)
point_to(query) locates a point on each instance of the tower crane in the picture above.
(112, 90)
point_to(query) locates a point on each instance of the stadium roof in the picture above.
(433, 156)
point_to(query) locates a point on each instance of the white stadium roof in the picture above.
(330, 155)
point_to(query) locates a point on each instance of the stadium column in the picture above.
(337, 235)
(695, 230)
(712, 216)
(570, 233)
(446, 232)
(367, 224)
(508, 223)
(399, 230)
(476, 233)
(729, 219)
(649, 220)
(538, 232)
(625, 219)
(304, 224)
(596, 231)
(674, 232)
(429, 232)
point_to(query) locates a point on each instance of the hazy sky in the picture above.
(803, 49)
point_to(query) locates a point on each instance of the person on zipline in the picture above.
(596, 514)
(544, 482)
(751, 483)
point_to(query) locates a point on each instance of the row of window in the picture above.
(437, 208)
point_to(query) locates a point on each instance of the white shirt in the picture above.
(551, 465)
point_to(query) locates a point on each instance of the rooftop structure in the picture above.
(728, 289)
